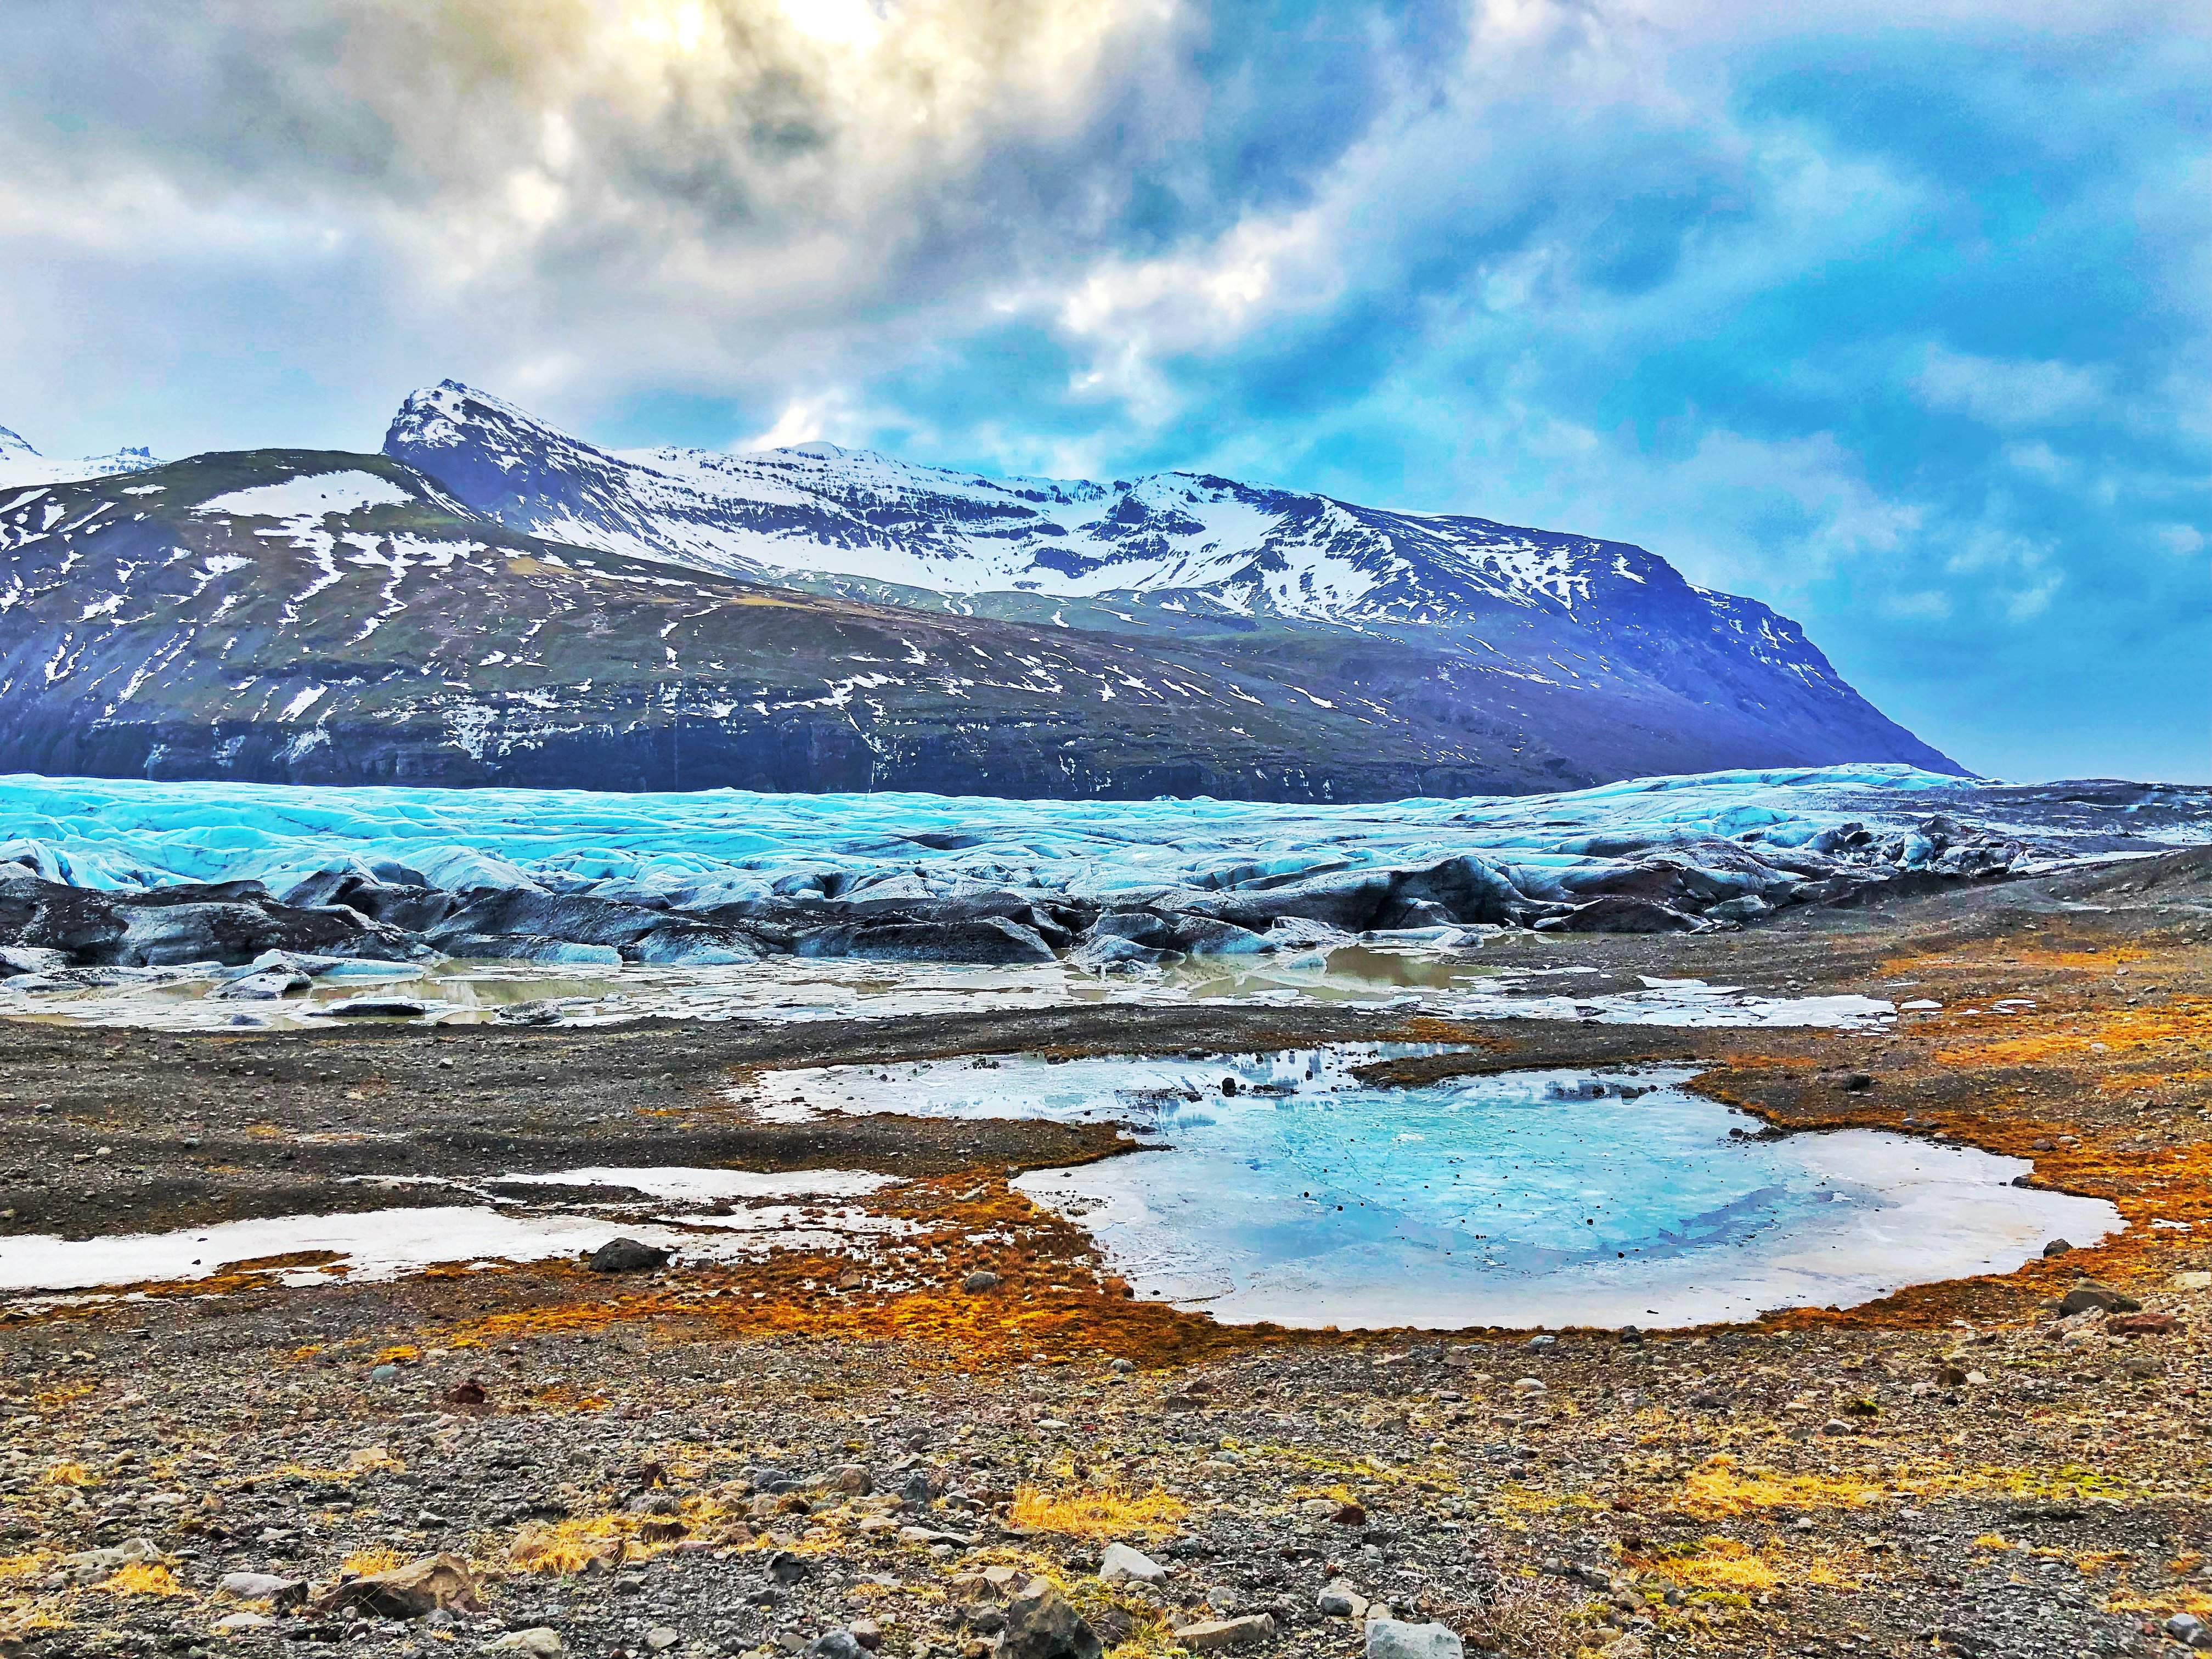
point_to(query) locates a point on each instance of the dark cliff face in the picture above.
(308, 617)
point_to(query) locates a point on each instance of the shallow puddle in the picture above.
(1283, 1189)
(703, 1214)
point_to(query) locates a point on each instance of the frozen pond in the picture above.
(1528, 1200)
(703, 1214)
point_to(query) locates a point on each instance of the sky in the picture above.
(1895, 318)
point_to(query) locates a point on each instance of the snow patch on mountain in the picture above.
(311, 495)
(817, 510)
(21, 465)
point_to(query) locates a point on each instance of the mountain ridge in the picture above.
(501, 605)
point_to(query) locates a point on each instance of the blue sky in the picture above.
(1893, 318)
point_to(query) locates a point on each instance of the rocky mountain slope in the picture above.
(493, 603)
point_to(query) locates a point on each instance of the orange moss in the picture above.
(2182, 1022)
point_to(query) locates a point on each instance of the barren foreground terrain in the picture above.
(753, 1457)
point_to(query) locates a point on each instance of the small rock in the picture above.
(1338, 1600)
(627, 1256)
(1120, 1564)
(233, 1622)
(2193, 1281)
(275, 1588)
(1349, 1515)
(469, 1392)
(853, 1480)
(787, 1569)
(661, 1638)
(1849, 1082)
(833, 1644)
(2090, 1296)
(1387, 1639)
(540, 1641)
(1216, 1634)
(2057, 1247)
(980, 1281)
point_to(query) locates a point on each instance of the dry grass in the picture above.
(568, 1547)
(69, 1474)
(1096, 1512)
(143, 1578)
(367, 1563)
(1723, 1564)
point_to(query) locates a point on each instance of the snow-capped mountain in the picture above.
(491, 601)
(20, 464)
(1176, 551)
(816, 509)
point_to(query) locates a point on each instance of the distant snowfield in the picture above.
(314, 496)
(720, 846)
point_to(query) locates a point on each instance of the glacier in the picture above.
(722, 846)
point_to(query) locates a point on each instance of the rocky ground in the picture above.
(752, 1458)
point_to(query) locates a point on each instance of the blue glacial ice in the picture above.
(1308, 1198)
(723, 845)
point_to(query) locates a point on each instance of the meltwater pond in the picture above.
(1308, 1197)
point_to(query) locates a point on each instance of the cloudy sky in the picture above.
(1894, 317)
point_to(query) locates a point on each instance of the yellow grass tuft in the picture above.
(1723, 1564)
(1096, 1512)
(367, 1563)
(143, 1578)
(69, 1474)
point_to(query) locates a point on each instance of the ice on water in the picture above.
(1308, 1198)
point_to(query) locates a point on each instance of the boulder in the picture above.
(2089, 1297)
(408, 1592)
(1391, 1638)
(1218, 1635)
(1120, 1564)
(539, 1641)
(627, 1256)
(1043, 1623)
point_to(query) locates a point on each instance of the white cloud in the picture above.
(2011, 393)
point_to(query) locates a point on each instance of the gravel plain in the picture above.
(928, 1439)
